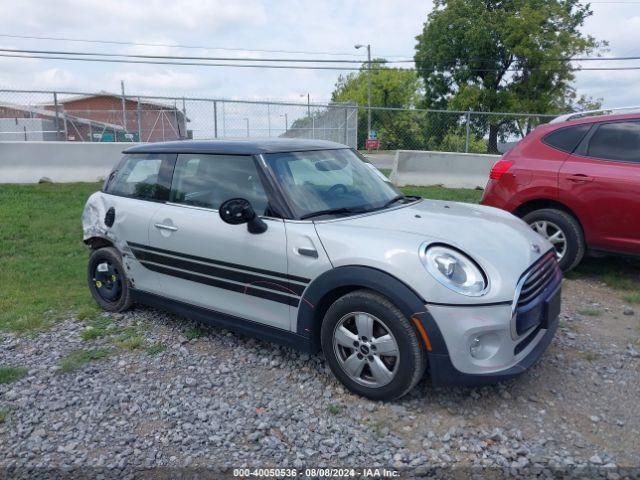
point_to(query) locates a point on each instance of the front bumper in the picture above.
(507, 354)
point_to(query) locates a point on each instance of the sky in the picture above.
(304, 26)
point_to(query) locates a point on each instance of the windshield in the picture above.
(330, 181)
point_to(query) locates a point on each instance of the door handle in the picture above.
(160, 226)
(580, 178)
(307, 252)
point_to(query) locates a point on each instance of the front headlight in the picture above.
(454, 270)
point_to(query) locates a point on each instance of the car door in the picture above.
(206, 262)
(600, 181)
(134, 191)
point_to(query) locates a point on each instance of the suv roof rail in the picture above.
(572, 116)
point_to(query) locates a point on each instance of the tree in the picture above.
(390, 87)
(502, 56)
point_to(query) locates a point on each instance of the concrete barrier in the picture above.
(454, 170)
(28, 162)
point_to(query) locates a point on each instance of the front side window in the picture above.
(145, 176)
(324, 180)
(204, 180)
(616, 141)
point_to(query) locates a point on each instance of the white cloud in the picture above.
(164, 80)
(54, 78)
(316, 26)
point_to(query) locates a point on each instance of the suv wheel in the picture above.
(563, 231)
(371, 347)
(108, 281)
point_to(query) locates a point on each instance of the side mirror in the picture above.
(239, 210)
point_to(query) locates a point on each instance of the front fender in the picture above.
(401, 295)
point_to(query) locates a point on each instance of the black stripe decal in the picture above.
(234, 287)
(293, 278)
(242, 277)
(489, 304)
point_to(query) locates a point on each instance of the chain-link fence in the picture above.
(104, 117)
(448, 131)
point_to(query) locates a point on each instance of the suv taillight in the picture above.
(499, 168)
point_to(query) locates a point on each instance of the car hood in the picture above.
(501, 243)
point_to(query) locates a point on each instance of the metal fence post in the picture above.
(466, 143)
(124, 110)
(55, 105)
(313, 126)
(64, 123)
(184, 117)
(224, 120)
(215, 119)
(346, 122)
(139, 115)
(269, 118)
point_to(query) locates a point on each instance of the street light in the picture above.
(357, 47)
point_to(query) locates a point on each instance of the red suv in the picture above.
(576, 182)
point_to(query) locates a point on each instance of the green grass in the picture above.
(130, 342)
(334, 409)
(42, 260)
(621, 274)
(79, 358)
(97, 328)
(441, 193)
(633, 297)
(590, 312)
(156, 348)
(3, 414)
(12, 374)
(193, 333)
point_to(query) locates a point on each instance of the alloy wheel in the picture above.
(554, 234)
(366, 349)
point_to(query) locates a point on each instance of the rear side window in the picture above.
(146, 176)
(616, 141)
(567, 139)
(205, 180)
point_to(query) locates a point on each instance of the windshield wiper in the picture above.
(394, 200)
(331, 211)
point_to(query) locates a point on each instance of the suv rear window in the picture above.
(567, 139)
(616, 141)
(146, 176)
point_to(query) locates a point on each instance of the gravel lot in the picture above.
(222, 401)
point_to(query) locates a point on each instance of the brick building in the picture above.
(101, 117)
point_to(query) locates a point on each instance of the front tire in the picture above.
(563, 231)
(371, 347)
(108, 281)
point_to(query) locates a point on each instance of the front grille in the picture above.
(527, 340)
(537, 278)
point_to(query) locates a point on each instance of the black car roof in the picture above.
(236, 147)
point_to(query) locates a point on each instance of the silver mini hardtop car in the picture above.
(304, 243)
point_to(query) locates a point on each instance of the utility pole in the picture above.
(368, 86)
